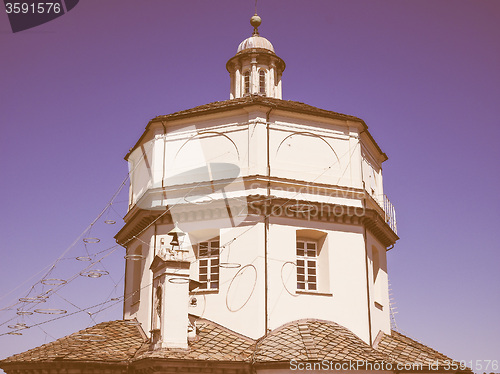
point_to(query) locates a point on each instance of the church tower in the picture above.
(255, 212)
(256, 238)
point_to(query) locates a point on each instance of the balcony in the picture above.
(390, 214)
(385, 209)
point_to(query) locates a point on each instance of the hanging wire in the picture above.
(110, 206)
(76, 306)
(87, 230)
(31, 307)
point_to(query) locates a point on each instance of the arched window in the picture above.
(262, 82)
(246, 82)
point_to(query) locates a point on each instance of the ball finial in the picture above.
(255, 21)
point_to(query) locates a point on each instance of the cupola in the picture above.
(255, 69)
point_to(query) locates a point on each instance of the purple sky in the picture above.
(76, 93)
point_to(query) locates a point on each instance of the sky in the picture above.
(77, 92)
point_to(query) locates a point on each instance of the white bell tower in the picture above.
(255, 69)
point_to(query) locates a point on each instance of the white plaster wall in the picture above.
(315, 151)
(140, 167)
(379, 290)
(310, 151)
(142, 309)
(257, 142)
(347, 302)
(242, 308)
(238, 306)
(196, 150)
(333, 157)
(372, 176)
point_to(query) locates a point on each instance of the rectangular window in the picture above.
(247, 82)
(262, 82)
(208, 256)
(306, 265)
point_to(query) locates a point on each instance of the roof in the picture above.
(227, 105)
(255, 41)
(403, 350)
(115, 341)
(290, 105)
(123, 342)
(213, 342)
(314, 340)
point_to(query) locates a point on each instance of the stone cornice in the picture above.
(259, 206)
(258, 52)
(138, 222)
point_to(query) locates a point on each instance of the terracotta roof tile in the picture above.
(294, 106)
(114, 341)
(213, 343)
(314, 340)
(402, 349)
(121, 342)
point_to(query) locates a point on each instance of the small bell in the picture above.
(176, 233)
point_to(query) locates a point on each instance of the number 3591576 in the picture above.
(38, 8)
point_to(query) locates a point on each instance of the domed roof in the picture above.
(255, 41)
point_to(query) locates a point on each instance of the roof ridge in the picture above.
(308, 340)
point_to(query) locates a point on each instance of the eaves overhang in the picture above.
(262, 205)
(256, 51)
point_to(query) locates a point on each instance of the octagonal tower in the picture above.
(269, 210)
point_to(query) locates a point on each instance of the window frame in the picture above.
(209, 264)
(323, 262)
(262, 82)
(307, 264)
(246, 83)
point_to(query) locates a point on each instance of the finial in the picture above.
(255, 21)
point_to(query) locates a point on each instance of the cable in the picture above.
(109, 205)
(77, 307)
(87, 230)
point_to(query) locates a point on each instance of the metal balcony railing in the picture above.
(390, 214)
